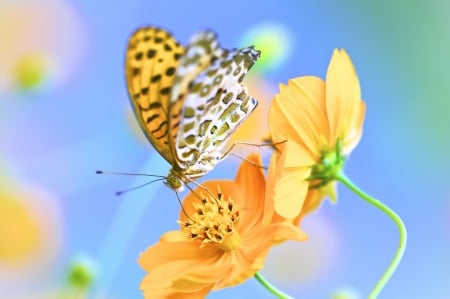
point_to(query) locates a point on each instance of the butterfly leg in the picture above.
(248, 161)
(259, 145)
(182, 207)
(199, 186)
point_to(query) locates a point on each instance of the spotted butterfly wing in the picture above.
(216, 104)
(151, 61)
(187, 100)
(202, 49)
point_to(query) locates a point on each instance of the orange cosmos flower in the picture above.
(321, 122)
(222, 243)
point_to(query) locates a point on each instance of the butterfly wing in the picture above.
(216, 104)
(201, 51)
(151, 61)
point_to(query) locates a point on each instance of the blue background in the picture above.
(58, 136)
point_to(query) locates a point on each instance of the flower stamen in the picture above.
(213, 222)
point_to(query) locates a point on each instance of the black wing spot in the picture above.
(152, 118)
(170, 71)
(167, 47)
(177, 56)
(165, 90)
(138, 56)
(151, 53)
(175, 125)
(144, 90)
(213, 59)
(156, 78)
(161, 125)
(155, 105)
(176, 114)
(135, 71)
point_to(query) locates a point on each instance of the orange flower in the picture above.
(222, 243)
(321, 122)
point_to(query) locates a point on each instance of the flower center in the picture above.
(213, 222)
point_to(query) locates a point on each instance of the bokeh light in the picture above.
(300, 263)
(274, 40)
(30, 230)
(41, 41)
(345, 293)
(31, 72)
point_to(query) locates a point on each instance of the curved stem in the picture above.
(397, 220)
(279, 294)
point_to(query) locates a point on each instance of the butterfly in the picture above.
(187, 100)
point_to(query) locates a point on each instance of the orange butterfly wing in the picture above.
(151, 61)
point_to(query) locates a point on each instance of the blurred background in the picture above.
(64, 113)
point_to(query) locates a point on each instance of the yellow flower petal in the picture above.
(252, 185)
(170, 261)
(313, 117)
(288, 186)
(194, 290)
(297, 113)
(316, 196)
(273, 174)
(253, 258)
(352, 138)
(290, 192)
(193, 263)
(343, 100)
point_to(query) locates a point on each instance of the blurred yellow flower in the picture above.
(30, 232)
(19, 230)
(41, 42)
(30, 71)
(221, 243)
(321, 122)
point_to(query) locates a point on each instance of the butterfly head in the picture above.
(174, 182)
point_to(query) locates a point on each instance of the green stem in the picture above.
(397, 220)
(279, 294)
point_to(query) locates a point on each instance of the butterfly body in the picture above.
(188, 100)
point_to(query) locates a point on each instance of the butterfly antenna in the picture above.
(137, 187)
(126, 173)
